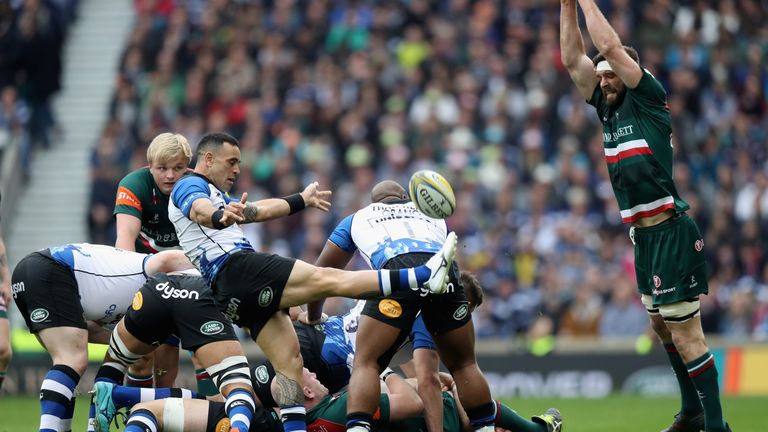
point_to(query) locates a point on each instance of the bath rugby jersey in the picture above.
(637, 138)
(107, 278)
(382, 231)
(207, 248)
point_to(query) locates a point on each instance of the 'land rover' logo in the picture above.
(211, 328)
(262, 375)
(265, 297)
(39, 315)
(461, 312)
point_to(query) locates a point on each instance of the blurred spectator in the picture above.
(350, 92)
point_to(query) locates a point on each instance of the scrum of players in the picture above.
(196, 276)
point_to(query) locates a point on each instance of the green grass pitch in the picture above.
(613, 414)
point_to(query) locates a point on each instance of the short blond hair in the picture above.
(167, 146)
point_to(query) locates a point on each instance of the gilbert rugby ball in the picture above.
(432, 194)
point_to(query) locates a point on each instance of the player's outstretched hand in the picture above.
(233, 211)
(316, 198)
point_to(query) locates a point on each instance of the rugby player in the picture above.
(669, 259)
(392, 233)
(183, 306)
(254, 288)
(60, 290)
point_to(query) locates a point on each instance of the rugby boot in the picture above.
(105, 407)
(440, 265)
(551, 419)
(687, 423)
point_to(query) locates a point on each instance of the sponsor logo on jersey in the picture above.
(698, 245)
(39, 315)
(138, 301)
(17, 288)
(127, 198)
(211, 328)
(656, 281)
(232, 306)
(265, 297)
(461, 312)
(390, 308)
(222, 426)
(262, 374)
(169, 291)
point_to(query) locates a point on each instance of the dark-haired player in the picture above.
(669, 261)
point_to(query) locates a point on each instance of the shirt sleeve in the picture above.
(127, 200)
(649, 91)
(188, 190)
(342, 235)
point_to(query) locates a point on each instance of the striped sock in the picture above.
(142, 381)
(2, 378)
(401, 279)
(110, 372)
(124, 396)
(359, 421)
(482, 416)
(56, 394)
(691, 405)
(294, 418)
(66, 420)
(141, 421)
(240, 408)
(205, 384)
(703, 372)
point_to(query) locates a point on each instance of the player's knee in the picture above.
(230, 373)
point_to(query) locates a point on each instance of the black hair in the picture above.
(214, 141)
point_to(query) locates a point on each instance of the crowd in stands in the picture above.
(32, 36)
(352, 92)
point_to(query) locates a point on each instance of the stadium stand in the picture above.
(349, 92)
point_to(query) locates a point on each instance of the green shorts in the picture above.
(669, 260)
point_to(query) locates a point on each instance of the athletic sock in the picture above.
(66, 420)
(507, 418)
(56, 397)
(690, 403)
(123, 396)
(240, 408)
(294, 418)
(395, 280)
(111, 372)
(482, 416)
(205, 385)
(141, 420)
(142, 381)
(359, 422)
(2, 378)
(704, 375)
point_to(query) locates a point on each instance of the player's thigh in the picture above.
(213, 353)
(66, 345)
(376, 342)
(457, 347)
(132, 342)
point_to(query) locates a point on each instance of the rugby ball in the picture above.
(432, 194)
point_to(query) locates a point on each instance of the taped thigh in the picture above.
(648, 303)
(231, 370)
(173, 415)
(681, 311)
(120, 352)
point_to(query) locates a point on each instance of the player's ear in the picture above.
(308, 393)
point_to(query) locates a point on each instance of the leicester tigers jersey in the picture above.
(107, 278)
(382, 231)
(638, 149)
(207, 248)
